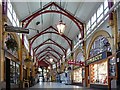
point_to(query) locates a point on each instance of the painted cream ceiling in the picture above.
(81, 10)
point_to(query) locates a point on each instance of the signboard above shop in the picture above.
(98, 57)
(74, 62)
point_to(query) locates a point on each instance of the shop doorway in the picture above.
(7, 69)
(118, 69)
(87, 76)
(118, 80)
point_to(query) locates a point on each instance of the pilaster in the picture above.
(1, 46)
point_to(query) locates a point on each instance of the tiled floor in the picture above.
(56, 86)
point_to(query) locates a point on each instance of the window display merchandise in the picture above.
(99, 73)
(14, 73)
(112, 67)
(77, 75)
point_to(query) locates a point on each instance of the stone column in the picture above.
(72, 54)
(115, 32)
(21, 63)
(86, 68)
(20, 50)
(28, 69)
(113, 24)
(1, 46)
(33, 71)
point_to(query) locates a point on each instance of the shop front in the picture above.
(78, 68)
(12, 64)
(102, 68)
(101, 64)
(14, 73)
(78, 76)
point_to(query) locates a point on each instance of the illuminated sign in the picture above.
(100, 56)
(73, 62)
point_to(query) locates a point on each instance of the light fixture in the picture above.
(49, 67)
(51, 59)
(61, 25)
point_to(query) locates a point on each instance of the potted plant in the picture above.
(11, 44)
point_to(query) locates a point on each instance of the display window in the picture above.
(14, 73)
(99, 73)
(112, 67)
(77, 75)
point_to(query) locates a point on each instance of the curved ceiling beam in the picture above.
(62, 11)
(48, 53)
(44, 56)
(52, 42)
(47, 6)
(64, 51)
(69, 41)
(51, 52)
(45, 61)
(54, 11)
(42, 64)
(49, 49)
(48, 41)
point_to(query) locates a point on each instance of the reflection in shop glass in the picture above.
(112, 66)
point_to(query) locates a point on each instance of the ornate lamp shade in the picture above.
(51, 59)
(61, 27)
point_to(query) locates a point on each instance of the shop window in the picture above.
(77, 75)
(101, 44)
(14, 73)
(99, 73)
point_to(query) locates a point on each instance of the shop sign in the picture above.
(73, 62)
(100, 56)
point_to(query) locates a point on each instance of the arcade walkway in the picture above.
(61, 86)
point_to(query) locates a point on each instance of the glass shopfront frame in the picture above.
(14, 73)
(99, 73)
(78, 75)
